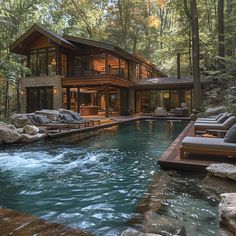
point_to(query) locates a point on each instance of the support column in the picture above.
(78, 100)
(106, 101)
(68, 98)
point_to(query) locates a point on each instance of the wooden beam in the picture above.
(106, 101)
(68, 98)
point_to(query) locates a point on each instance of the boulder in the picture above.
(222, 232)
(134, 232)
(1, 141)
(20, 120)
(20, 130)
(227, 212)
(52, 115)
(31, 129)
(162, 224)
(222, 170)
(27, 138)
(8, 135)
(214, 110)
(214, 186)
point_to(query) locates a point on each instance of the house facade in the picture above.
(92, 77)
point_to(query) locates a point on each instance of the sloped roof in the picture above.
(166, 82)
(32, 33)
(72, 42)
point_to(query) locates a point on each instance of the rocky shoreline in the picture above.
(219, 184)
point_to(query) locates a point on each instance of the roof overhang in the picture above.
(21, 44)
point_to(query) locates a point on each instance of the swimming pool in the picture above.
(97, 183)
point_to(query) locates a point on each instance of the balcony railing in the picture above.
(120, 72)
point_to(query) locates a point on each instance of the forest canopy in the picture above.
(154, 29)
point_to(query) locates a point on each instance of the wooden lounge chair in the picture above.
(206, 126)
(207, 146)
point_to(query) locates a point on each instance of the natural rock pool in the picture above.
(96, 184)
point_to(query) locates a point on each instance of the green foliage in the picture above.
(155, 29)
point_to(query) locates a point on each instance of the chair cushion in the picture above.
(222, 119)
(230, 136)
(217, 118)
(230, 121)
(75, 116)
(208, 143)
(67, 118)
(42, 119)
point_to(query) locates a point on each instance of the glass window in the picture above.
(77, 65)
(146, 101)
(113, 65)
(124, 69)
(137, 71)
(63, 64)
(52, 63)
(175, 96)
(187, 98)
(98, 62)
(42, 62)
(33, 64)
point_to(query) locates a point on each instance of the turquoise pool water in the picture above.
(96, 184)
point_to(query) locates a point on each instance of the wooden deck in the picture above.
(171, 160)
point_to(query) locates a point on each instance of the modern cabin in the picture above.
(92, 77)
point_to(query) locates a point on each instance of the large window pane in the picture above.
(175, 99)
(98, 62)
(124, 69)
(64, 64)
(113, 65)
(42, 62)
(33, 64)
(52, 63)
(77, 65)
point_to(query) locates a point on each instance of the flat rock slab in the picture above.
(222, 170)
(18, 224)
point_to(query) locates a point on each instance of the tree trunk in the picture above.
(229, 40)
(195, 55)
(18, 96)
(221, 47)
(6, 99)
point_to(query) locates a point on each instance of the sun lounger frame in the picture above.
(207, 151)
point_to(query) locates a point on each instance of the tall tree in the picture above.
(221, 37)
(192, 14)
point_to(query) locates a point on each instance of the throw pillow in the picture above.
(230, 136)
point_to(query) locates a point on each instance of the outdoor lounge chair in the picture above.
(224, 126)
(219, 120)
(43, 121)
(207, 146)
(75, 118)
(210, 118)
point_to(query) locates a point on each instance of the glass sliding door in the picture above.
(39, 98)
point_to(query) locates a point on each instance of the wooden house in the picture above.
(88, 76)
